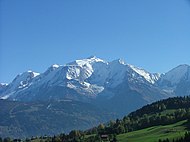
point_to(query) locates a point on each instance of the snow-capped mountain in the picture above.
(176, 81)
(22, 81)
(93, 79)
(175, 76)
(86, 91)
(87, 77)
(150, 77)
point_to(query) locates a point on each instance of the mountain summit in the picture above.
(95, 80)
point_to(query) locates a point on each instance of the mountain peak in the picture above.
(178, 73)
(181, 69)
(89, 60)
(51, 68)
(119, 61)
(92, 57)
(55, 66)
(33, 74)
(27, 74)
(23, 80)
(182, 66)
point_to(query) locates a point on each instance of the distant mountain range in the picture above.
(116, 87)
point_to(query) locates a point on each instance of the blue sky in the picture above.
(152, 34)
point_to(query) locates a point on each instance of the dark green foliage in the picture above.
(7, 139)
(150, 115)
(159, 106)
(186, 138)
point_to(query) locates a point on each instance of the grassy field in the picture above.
(153, 134)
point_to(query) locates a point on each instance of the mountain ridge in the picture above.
(73, 71)
(115, 88)
(95, 80)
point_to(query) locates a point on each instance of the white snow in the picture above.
(151, 78)
(3, 84)
(55, 65)
(35, 74)
(73, 72)
(121, 61)
(7, 95)
(89, 60)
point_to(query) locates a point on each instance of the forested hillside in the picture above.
(166, 113)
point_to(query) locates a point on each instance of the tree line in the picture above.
(147, 116)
